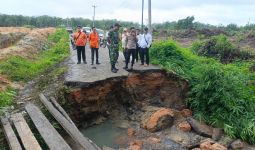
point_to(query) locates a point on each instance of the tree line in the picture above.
(48, 21)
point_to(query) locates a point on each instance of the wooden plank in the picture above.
(61, 110)
(25, 134)
(10, 135)
(47, 131)
(71, 129)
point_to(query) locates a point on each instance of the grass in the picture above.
(19, 69)
(220, 94)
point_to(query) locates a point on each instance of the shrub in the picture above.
(220, 47)
(220, 94)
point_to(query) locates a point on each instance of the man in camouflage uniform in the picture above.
(113, 46)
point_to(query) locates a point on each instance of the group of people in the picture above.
(133, 44)
(80, 40)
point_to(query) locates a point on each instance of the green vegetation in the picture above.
(220, 94)
(48, 21)
(220, 47)
(22, 70)
(6, 97)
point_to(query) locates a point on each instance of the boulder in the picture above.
(184, 126)
(217, 146)
(237, 144)
(208, 145)
(131, 132)
(217, 134)
(154, 140)
(186, 112)
(157, 118)
(200, 128)
(136, 145)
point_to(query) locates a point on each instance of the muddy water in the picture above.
(107, 134)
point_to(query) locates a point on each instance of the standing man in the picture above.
(94, 45)
(113, 40)
(80, 40)
(145, 43)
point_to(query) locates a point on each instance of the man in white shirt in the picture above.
(145, 44)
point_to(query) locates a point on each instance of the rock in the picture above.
(154, 140)
(157, 120)
(210, 145)
(131, 132)
(206, 145)
(136, 145)
(185, 139)
(237, 144)
(217, 146)
(186, 112)
(201, 129)
(217, 134)
(225, 140)
(184, 126)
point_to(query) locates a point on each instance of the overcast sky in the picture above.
(207, 11)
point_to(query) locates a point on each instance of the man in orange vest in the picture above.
(80, 40)
(94, 45)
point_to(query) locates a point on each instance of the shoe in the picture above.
(114, 70)
(141, 64)
(146, 65)
(92, 63)
(98, 63)
(85, 62)
(125, 68)
(78, 62)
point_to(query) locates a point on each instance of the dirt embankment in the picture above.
(19, 41)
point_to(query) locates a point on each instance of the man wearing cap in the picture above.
(80, 40)
(113, 40)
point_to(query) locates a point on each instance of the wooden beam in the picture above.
(25, 134)
(61, 110)
(10, 135)
(71, 129)
(47, 131)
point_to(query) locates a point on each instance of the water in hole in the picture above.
(107, 134)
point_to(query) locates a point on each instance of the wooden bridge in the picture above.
(19, 135)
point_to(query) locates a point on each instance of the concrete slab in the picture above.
(87, 73)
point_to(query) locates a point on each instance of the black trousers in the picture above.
(129, 53)
(145, 53)
(93, 51)
(125, 53)
(81, 53)
(137, 53)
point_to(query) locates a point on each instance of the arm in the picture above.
(126, 42)
(109, 37)
(149, 37)
(85, 39)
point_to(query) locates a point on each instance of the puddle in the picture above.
(107, 134)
